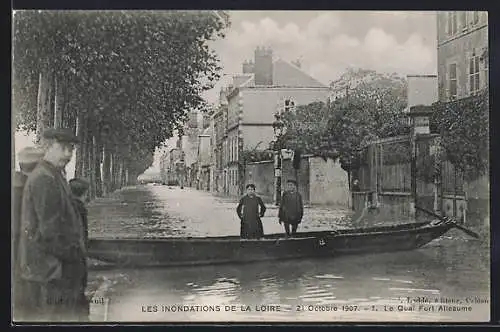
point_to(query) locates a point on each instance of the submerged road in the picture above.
(447, 280)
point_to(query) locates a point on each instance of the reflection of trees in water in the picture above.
(446, 267)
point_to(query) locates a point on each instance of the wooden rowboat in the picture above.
(127, 252)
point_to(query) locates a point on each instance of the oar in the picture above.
(462, 228)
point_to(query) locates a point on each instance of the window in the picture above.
(237, 148)
(234, 150)
(452, 81)
(475, 17)
(289, 105)
(463, 20)
(452, 23)
(474, 74)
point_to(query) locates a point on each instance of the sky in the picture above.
(326, 42)
(329, 42)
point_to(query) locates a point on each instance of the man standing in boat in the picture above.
(52, 249)
(250, 209)
(291, 208)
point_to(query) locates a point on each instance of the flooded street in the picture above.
(447, 280)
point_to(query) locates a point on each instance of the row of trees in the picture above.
(338, 129)
(373, 110)
(123, 81)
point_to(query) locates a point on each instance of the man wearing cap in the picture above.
(22, 297)
(52, 249)
(291, 208)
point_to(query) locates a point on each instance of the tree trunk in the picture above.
(111, 171)
(85, 150)
(58, 102)
(114, 166)
(106, 170)
(43, 115)
(92, 166)
(120, 174)
(80, 148)
(97, 169)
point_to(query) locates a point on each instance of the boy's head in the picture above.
(250, 189)
(29, 158)
(79, 187)
(291, 185)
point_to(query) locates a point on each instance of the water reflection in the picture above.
(303, 288)
(452, 267)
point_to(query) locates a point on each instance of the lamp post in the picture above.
(278, 127)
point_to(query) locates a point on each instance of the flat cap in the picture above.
(30, 155)
(61, 135)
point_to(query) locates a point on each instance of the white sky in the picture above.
(327, 42)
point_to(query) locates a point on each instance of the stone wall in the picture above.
(329, 183)
(320, 182)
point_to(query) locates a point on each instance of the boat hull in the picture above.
(232, 249)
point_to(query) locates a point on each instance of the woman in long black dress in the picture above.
(250, 209)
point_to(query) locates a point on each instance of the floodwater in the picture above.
(447, 280)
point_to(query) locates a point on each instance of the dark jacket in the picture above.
(52, 236)
(291, 208)
(18, 185)
(83, 213)
(250, 210)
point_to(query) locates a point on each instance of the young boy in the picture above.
(291, 208)
(249, 214)
(79, 188)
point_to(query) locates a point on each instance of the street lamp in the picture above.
(279, 128)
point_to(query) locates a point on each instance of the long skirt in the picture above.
(251, 229)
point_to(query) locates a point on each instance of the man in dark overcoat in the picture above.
(291, 208)
(52, 248)
(22, 298)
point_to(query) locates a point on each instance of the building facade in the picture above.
(266, 86)
(462, 47)
(463, 71)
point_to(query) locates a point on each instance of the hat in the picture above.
(250, 185)
(30, 155)
(292, 181)
(61, 135)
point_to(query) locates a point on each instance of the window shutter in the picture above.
(468, 58)
(483, 71)
(447, 22)
(462, 20)
(447, 83)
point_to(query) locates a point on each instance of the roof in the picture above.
(286, 74)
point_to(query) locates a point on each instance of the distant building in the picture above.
(206, 153)
(267, 85)
(422, 90)
(462, 51)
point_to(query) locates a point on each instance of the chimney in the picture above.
(248, 67)
(263, 68)
(296, 63)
